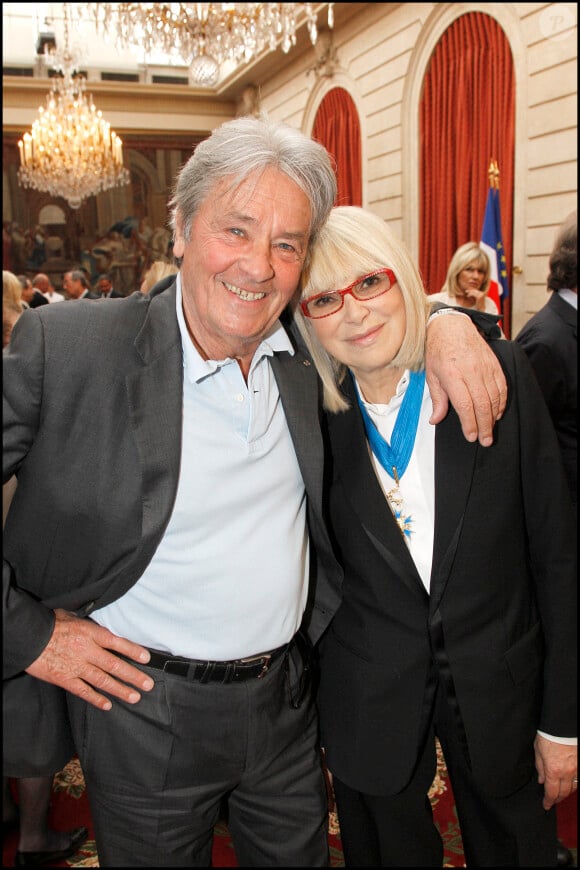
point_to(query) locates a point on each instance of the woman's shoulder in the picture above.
(491, 306)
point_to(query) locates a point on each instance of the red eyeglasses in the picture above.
(368, 287)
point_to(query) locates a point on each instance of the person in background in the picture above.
(156, 271)
(550, 341)
(12, 303)
(186, 554)
(38, 843)
(104, 288)
(12, 292)
(31, 295)
(76, 285)
(467, 280)
(9, 317)
(447, 628)
(43, 283)
(6, 246)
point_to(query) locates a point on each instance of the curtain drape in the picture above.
(467, 117)
(337, 127)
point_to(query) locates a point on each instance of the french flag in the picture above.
(492, 244)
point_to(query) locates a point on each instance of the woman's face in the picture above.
(365, 336)
(470, 280)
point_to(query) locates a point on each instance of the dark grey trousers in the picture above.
(156, 773)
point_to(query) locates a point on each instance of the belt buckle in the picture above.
(265, 663)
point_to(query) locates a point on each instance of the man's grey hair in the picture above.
(240, 147)
(78, 275)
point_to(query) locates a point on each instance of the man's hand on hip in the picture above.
(78, 658)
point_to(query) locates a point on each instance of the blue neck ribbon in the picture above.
(394, 457)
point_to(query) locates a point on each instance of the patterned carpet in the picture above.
(70, 810)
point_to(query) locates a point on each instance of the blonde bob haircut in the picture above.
(464, 256)
(352, 243)
(11, 291)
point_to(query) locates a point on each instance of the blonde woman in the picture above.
(12, 292)
(467, 280)
(156, 271)
(458, 599)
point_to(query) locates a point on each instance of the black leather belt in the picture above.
(235, 671)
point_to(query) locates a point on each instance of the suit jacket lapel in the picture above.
(299, 392)
(155, 397)
(454, 466)
(366, 496)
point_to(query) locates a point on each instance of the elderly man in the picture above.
(43, 283)
(76, 285)
(186, 554)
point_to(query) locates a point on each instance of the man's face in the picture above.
(242, 263)
(28, 292)
(43, 284)
(103, 286)
(73, 287)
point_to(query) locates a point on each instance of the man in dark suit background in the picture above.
(105, 289)
(31, 295)
(550, 341)
(173, 440)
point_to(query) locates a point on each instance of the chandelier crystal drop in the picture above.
(204, 71)
(71, 150)
(206, 35)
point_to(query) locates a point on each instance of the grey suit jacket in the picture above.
(92, 429)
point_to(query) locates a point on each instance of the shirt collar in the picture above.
(396, 399)
(197, 368)
(569, 296)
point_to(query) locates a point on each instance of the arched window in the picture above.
(337, 127)
(467, 117)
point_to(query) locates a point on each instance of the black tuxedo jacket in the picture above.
(498, 629)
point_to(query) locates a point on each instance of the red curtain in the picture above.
(337, 127)
(467, 117)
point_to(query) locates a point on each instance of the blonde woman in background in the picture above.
(12, 292)
(156, 271)
(12, 303)
(467, 280)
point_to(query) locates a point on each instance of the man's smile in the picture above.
(243, 294)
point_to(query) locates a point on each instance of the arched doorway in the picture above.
(337, 127)
(467, 116)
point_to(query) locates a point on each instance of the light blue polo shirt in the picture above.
(229, 578)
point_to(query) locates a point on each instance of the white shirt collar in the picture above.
(569, 296)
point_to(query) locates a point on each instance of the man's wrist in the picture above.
(439, 311)
(565, 741)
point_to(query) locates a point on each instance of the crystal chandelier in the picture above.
(205, 35)
(70, 151)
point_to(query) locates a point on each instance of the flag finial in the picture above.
(493, 173)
